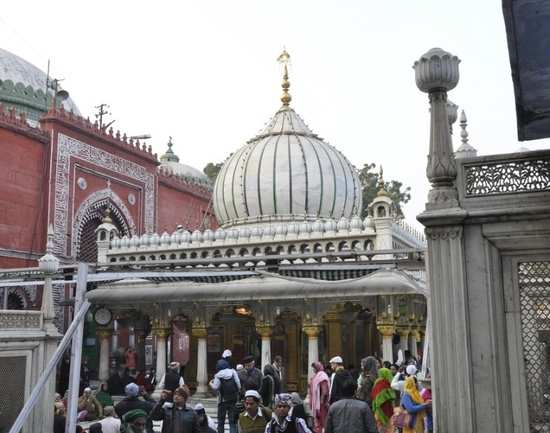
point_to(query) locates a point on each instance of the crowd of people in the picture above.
(379, 398)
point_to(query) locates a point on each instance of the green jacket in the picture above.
(257, 425)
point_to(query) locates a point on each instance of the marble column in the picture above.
(265, 331)
(200, 333)
(312, 332)
(104, 336)
(161, 335)
(387, 330)
(114, 339)
(413, 342)
(403, 332)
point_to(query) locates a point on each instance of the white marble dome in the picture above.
(286, 173)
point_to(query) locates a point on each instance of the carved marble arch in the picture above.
(89, 216)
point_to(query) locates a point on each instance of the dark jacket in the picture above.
(169, 415)
(171, 380)
(340, 377)
(350, 416)
(250, 379)
(130, 403)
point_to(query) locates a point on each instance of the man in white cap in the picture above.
(398, 382)
(339, 375)
(226, 356)
(206, 424)
(255, 416)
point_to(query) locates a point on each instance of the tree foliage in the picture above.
(211, 170)
(369, 181)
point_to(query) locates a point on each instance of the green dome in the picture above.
(23, 87)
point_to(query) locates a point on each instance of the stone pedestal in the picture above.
(104, 336)
(200, 333)
(265, 332)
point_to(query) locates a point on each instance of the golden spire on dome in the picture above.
(381, 184)
(284, 59)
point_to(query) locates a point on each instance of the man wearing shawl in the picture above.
(319, 395)
(414, 404)
(383, 397)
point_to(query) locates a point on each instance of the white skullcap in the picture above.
(337, 360)
(226, 353)
(199, 407)
(411, 370)
(239, 367)
(252, 393)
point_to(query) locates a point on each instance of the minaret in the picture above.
(105, 232)
(381, 210)
(170, 156)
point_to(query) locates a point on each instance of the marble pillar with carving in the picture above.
(312, 331)
(104, 337)
(161, 334)
(386, 327)
(265, 331)
(200, 332)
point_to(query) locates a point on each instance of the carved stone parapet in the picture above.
(312, 331)
(199, 331)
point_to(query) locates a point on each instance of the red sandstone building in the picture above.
(59, 169)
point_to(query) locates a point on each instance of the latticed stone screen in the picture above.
(12, 372)
(534, 291)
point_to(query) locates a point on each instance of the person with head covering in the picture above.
(426, 394)
(255, 417)
(110, 424)
(59, 418)
(282, 421)
(349, 415)
(365, 381)
(135, 421)
(131, 402)
(89, 409)
(298, 410)
(250, 376)
(339, 375)
(383, 398)
(172, 378)
(176, 416)
(103, 396)
(206, 424)
(398, 382)
(227, 384)
(414, 404)
(319, 396)
(226, 356)
(269, 381)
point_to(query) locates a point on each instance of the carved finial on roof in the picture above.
(465, 150)
(381, 184)
(284, 59)
(107, 217)
(170, 156)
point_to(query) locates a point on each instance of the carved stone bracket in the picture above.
(312, 331)
(386, 329)
(104, 333)
(199, 331)
(264, 329)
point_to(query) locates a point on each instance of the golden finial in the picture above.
(381, 184)
(284, 59)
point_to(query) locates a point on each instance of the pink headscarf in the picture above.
(315, 386)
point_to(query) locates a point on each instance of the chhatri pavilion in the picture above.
(292, 270)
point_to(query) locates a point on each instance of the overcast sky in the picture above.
(205, 72)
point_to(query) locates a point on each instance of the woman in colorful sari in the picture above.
(319, 394)
(383, 398)
(415, 405)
